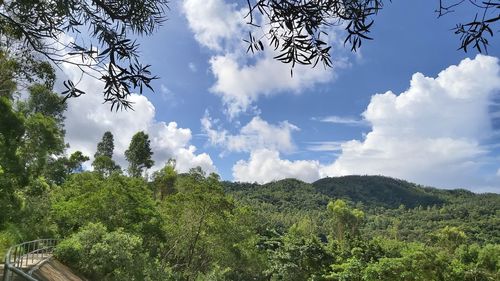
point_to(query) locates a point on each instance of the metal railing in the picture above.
(22, 257)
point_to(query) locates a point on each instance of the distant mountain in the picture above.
(379, 191)
(371, 191)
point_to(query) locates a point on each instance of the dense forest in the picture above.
(118, 223)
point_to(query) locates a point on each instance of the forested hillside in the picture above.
(390, 205)
(376, 191)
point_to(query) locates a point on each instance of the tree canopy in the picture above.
(36, 29)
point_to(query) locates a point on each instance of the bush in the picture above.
(103, 255)
(9, 236)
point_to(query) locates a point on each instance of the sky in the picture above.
(407, 105)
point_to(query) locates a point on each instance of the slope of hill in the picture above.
(372, 191)
(285, 194)
(390, 204)
(378, 191)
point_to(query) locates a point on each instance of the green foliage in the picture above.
(139, 154)
(15, 71)
(34, 218)
(284, 195)
(346, 222)
(59, 169)
(12, 173)
(45, 102)
(105, 166)
(12, 128)
(206, 233)
(116, 201)
(372, 241)
(44, 134)
(31, 148)
(413, 262)
(43, 138)
(489, 258)
(104, 255)
(194, 221)
(164, 180)
(298, 257)
(350, 270)
(9, 235)
(450, 237)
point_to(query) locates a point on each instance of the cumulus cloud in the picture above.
(257, 134)
(266, 165)
(215, 23)
(241, 79)
(87, 118)
(240, 85)
(432, 134)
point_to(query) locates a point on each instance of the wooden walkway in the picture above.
(27, 263)
(53, 270)
(45, 270)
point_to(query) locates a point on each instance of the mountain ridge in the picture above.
(374, 191)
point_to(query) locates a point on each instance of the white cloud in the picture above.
(265, 165)
(341, 120)
(168, 140)
(214, 23)
(87, 118)
(241, 79)
(431, 134)
(240, 84)
(255, 135)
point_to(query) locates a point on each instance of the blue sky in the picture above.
(244, 117)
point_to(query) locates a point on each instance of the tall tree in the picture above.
(44, 128)
(139, 154)
(31, 130)
(11, 169)
(106, 146)
(103, 162)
